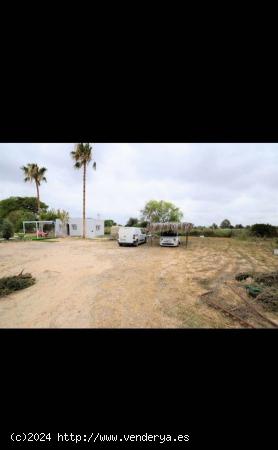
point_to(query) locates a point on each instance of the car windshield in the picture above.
(169, 234)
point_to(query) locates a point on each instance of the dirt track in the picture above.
(100, 285)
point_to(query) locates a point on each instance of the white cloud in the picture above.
(209, 182)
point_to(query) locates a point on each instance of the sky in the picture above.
(208, 182)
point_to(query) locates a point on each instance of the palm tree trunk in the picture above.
(38, 199)
(84, 200)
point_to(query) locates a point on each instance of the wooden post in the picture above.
(37, 229)
(186, 239)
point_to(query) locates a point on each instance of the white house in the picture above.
(74, 227)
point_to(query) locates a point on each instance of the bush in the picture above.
(225, 224)
(132, 222)
(18, 216)
(7, 229)
(242, 235)
(263, 230)
(210, 232)
(15, 283)
(109, 223)
(107, 230)
(143, 224)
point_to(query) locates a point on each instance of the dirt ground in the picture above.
(97, 284)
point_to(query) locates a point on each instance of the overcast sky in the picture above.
(209, 182)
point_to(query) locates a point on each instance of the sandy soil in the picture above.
(97, 284)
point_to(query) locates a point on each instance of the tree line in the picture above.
(14, 210)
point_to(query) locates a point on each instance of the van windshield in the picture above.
(168, 233)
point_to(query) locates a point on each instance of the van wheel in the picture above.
(136, 244)
(120, 245)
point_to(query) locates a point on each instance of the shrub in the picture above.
(132, 222)
(242, 235)
(14, 283)
(210, 232)
(16, 217)
(143, 224)
(263, 230)
(225, 224)
(109, 223)
(7, 229)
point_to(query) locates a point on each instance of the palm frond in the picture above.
(33, 172)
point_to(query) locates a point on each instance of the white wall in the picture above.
(94, 227)
(60, 230)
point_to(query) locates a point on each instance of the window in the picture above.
(97, 227)
(73, 226)
(169, 233)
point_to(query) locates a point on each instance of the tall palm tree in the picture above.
(35, 173)
(82, 156)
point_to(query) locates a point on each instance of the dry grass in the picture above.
(83, 283)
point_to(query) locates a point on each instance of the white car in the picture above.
(131, 236)
(169, 239)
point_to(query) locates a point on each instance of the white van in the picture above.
(169, 239)
(131, 236)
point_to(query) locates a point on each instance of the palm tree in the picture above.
(82, 156)
(64, 217)
(35, 173)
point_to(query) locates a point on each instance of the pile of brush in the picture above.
(15, 283)
(263, 286)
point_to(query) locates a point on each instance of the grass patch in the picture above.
(15, 283)
(44, 239)
(264, 288)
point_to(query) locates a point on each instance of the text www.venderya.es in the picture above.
(98, 438)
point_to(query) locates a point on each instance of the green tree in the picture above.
(132, 222)
(27, 204)
(82, 155)
(33, 172)
(50, 214)
(53, 214)
(161, 211)
(263, 230)
(214, 226)
(109, 223)
(63, 216)
(143, 224)
(17, 217)
(7, 229)
(225, 224)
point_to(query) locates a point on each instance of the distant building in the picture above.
(74, 227)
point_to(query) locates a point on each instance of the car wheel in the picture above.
(136, 244)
